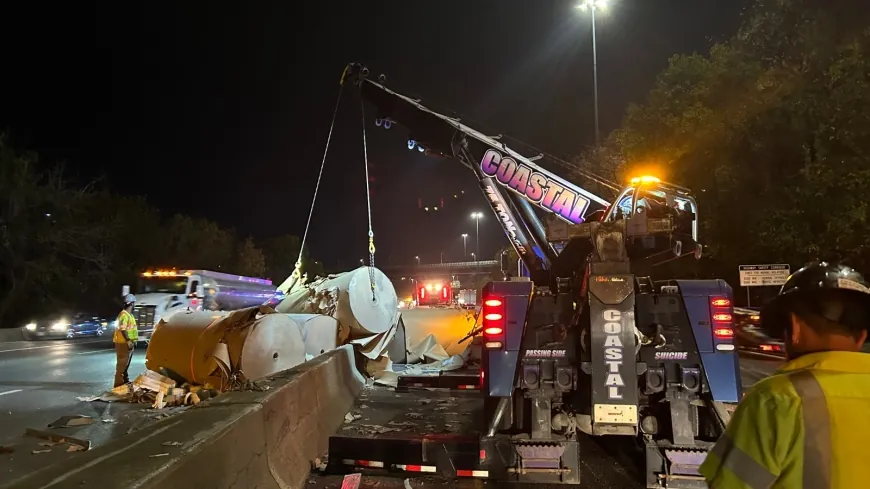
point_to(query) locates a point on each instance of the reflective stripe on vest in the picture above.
(752, 473)
(817, 430)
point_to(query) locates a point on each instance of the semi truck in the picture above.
(162, 293)
(587, 346)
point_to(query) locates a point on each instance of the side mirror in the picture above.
(699, 251)
(200, 291)
(125, 289)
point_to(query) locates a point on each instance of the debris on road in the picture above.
(53, 437)
(171, 443)
(71, 421)
(35, 452)
(159, 455)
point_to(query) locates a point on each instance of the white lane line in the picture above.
(11, 392)
(107, 350)
(47, 346)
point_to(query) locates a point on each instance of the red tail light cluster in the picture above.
(493, 322)
(723, 317)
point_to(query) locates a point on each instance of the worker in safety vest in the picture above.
(807, 425)
(125, 337)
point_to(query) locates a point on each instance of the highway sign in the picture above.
(763, 275)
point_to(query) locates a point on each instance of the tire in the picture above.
(98, 332)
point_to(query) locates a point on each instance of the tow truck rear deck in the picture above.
(432, 435)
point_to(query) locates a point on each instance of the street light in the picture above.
(477, 216)
(592, 6)
(473, 257)
(464, 246)
(418, 260)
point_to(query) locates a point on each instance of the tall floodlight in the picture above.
(592, 6)
(477, 216)
(464, 246)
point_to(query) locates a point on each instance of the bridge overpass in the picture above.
(455, 269)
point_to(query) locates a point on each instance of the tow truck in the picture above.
(586, 346)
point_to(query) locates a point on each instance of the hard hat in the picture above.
(813, 282)
(129, 299)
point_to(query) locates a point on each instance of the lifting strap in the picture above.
(368, 203)
(297, 272)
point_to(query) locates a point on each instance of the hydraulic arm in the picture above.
(511, 182)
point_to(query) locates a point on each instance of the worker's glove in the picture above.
(129, 345)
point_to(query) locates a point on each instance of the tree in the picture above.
(771, 132)
(51, 246)
(281, 254)
(197, 243)
(250, 260)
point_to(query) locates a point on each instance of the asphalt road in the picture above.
(39, 383)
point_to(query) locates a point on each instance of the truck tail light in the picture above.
(444, 293)
(493, 323)
(723, 333)
(422, 292)
(723, 317)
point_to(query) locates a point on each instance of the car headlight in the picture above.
(60, 326)
(30, 327)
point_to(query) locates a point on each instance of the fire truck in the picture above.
(588, 345)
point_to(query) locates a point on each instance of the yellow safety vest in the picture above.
(126, 322)
(806, 427)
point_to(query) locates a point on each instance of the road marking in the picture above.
(48, 346)
(107, 350)
(11, 392)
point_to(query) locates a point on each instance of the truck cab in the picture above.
(162, 293)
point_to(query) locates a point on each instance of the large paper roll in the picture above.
(348, 297)
(319, 332)
(272, 344)
(205, 347)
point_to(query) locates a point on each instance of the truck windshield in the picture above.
(167, 285)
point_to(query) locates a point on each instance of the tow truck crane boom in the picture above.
(591, 345)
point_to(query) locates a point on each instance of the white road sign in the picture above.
(763, 275)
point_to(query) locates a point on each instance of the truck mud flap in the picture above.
(449, 456)
(452, 382)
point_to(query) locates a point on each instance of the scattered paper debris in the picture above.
(45, 435)
(71, 421)
(351, 481)
(110, 420)
(156, 455)
(408, 484)
(75, 448)
(40, 451)
(350, 417)
(171, 443)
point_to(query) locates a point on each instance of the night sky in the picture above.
(221, 110)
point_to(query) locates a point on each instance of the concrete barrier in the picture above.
(240, 440)
(12, 334)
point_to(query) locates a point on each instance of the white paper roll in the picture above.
(319, 332)
(273, 343)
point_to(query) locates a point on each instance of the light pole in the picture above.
(477, 216)
(417, 258)
(464, 246)
(473, 256)
(592, 6)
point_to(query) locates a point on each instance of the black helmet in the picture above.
(814, 281)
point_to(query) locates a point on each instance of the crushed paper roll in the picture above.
(348, 297)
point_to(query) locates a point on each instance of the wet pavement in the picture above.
(40, 382)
